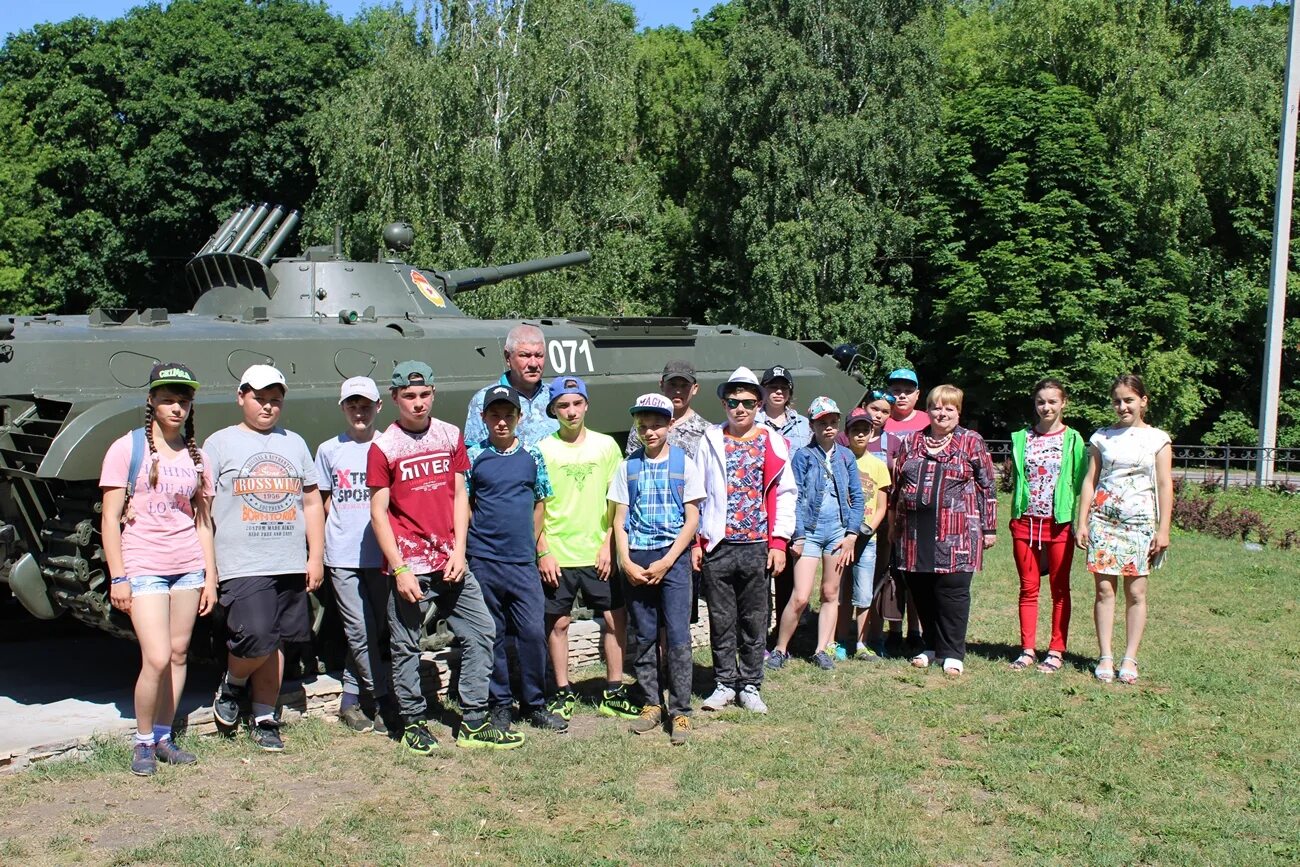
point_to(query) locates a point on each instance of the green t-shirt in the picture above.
(577, 515)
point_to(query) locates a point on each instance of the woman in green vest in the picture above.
(1049, 461)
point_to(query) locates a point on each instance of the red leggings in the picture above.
(1043, 546)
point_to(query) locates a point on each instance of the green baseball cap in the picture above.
(410, 373)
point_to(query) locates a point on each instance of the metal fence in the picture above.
(1221, 465)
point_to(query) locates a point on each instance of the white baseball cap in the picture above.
(359, 386)
(261, 376)
(653, 403)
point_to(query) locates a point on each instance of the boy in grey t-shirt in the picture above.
(269, 540)
(353, 559)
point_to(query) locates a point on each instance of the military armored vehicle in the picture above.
(70, 385)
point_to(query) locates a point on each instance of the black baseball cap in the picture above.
(172, 373)
(774, 373)
(498, 393)
(678, 368)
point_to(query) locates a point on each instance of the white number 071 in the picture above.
(570, 356)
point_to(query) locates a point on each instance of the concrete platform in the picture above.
(57, 694)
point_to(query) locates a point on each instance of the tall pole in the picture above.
(1279, 262)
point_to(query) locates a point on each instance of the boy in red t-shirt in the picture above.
(419, 509)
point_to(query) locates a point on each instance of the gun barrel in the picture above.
(464, 279)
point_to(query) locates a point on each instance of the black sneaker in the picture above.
(418, 739)
(548, 720)
(563, 703)
(502, 718)
(355, 718)
(616, 703)
(266, 734)
(484, 735)
(229, 702)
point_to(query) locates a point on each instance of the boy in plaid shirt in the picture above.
(656, 493)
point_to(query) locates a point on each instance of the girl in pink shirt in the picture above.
(158, 544)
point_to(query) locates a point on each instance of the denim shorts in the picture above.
(822, 541)
(147, 585)
(864, 573)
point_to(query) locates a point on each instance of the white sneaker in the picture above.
(722, 696)
(750, 700)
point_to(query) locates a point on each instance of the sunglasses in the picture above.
(736, 402)
(877, 394)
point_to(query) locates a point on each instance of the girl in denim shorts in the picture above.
(827, 519)
(157, 536)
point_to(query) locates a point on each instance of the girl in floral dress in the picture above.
(1125, 509)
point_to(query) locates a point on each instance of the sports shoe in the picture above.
(652, 717)
(750, 700)
(548, 721)
(266, 734)
(866, 654)
(824, 660)
(681, 730)
(563, 703)
(487, 736)
(615, 703)
(721, 697)
(838, 651)
(170, 754)
(502, 718)
(355, 718)
(776, 659)
(143, 760)
(417, 738)
(229, 702)
(386, 716)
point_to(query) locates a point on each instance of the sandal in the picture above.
(1051, 664)
(923, 659)
(953, 667)
(1128, 673)
(1023, 661)
(1103, 674)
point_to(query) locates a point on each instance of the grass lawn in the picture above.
(1199, 764)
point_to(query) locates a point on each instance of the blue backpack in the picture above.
(138, 449)
(676, 476)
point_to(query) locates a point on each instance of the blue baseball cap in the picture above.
(905, 374)
(562, 385)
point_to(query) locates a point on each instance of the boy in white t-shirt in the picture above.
(353, 558)
(657, 492)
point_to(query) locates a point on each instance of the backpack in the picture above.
(138, 449)
(676, 475)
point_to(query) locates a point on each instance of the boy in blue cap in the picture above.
(575, 545)
(507, 483)
(904, 417)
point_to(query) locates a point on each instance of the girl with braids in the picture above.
(158, 544)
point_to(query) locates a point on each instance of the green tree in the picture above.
(502, 132)
(26, 217)
(159, 123)
(823, 144)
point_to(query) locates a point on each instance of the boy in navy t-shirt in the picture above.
(506, 482)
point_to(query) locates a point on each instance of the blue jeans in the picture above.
(864, 573)
(513, 593)
(667, 604)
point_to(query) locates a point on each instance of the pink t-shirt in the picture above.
(920, 420)
(160, 538)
